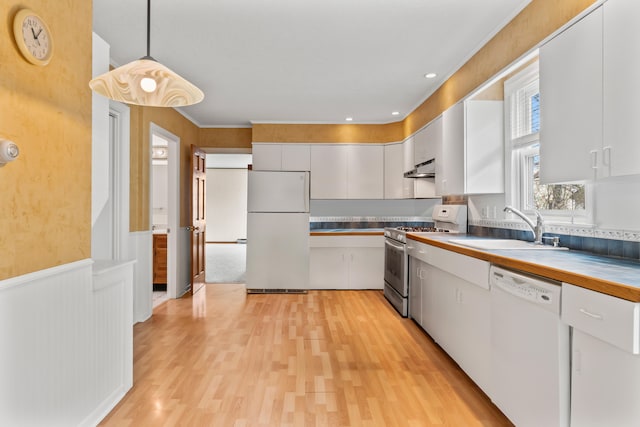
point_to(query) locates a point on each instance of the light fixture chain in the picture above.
(148, 28)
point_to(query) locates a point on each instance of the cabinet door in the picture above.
(415, 290)
(571, 102)
(470, 318)
(328, 268)
(438, 305)
(484, 147)
(296, 157)
(621, 87)
(450, 163)
(267, 157)
(420, 147)
(408, 154)
(329, 171)
(605, 384)
(366, 268)
(433, 138)
(407, 159)
(393, 171)
(365, 172)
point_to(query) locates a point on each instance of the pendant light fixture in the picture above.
(146, 82)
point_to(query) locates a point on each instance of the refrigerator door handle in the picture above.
(306, 192)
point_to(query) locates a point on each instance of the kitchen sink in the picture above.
(503, 244)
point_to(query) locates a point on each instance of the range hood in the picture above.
(423, 170)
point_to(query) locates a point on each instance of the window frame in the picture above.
(518, 149)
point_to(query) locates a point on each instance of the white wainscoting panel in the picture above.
(66, 356)
(141, 247)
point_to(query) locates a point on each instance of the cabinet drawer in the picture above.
(608, 318)
(472, 270)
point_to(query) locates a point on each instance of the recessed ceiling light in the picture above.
(430, 75)
(395, 113)
(349, 119)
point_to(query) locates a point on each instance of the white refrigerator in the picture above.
(278, 231)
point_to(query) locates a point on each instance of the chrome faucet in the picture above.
(537, 228)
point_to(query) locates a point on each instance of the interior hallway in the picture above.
(327, 358)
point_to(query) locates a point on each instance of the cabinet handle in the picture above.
(606, 156)
(594, 159)
(590, 314)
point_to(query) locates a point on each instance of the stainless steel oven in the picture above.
(396, 288)
(447, 218)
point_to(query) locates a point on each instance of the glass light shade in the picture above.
(124, 84)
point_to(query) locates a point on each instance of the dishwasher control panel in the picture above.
(535, 290)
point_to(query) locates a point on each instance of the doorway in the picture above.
(164, 208)
(226, 204)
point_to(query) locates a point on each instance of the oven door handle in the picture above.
(393, 245)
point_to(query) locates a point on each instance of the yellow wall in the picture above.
(225, 138)
(391, 132)
(45, 206)
(177, 124)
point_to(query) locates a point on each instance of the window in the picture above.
(522, 102)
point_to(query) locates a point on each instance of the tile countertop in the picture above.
(612, 276)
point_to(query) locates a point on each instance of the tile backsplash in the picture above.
(359, 222)
(614, 243)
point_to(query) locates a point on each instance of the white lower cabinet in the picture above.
(605, 365)
(454, 306)
(346, 262)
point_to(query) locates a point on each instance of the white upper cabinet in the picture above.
(281, 157)
(470, 159)
(408, 147)
(340, 171)
(484, 147)
(329, 171)
(365, 172)
(266, 157)
(621, 87)
(589, 88)
(571, 102)
(450, 156)
(407, 158)
(427, 140)
(394, 171)
(296, 157)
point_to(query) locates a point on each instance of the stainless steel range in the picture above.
(447, 219)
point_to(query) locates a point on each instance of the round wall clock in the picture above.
(33, 37)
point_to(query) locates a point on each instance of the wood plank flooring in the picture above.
(327, 358)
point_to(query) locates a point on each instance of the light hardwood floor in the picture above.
(327, 358)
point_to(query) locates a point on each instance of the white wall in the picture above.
(617, 203)
(160, 195)
(226, 205)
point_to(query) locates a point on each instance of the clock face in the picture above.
(33, 37)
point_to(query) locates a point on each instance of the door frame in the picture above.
(173, 214)
(120, 164)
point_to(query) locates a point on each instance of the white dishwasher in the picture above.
(530, 350)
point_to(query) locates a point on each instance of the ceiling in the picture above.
(304, 61)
